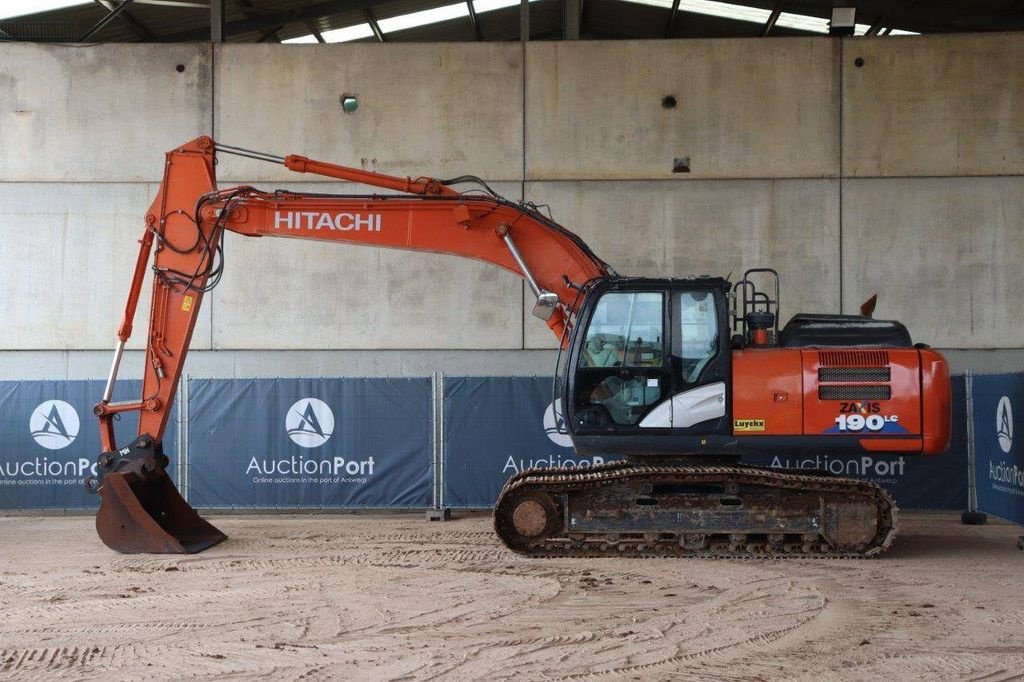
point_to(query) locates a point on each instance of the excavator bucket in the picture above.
(141, 510)
(149, 516)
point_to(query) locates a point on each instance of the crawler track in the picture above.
(633, 509)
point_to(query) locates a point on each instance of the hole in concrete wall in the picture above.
(669, 102)
(681, 164)
(180, 68)
(858, 62)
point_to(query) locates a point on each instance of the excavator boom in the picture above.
(182, 243)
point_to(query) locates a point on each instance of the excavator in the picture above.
(672, 381)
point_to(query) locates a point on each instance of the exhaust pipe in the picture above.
(141, 510)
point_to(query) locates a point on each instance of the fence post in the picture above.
(438, 512)
(183, 447)
(971, 517)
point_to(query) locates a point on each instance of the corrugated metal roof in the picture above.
(254, 20)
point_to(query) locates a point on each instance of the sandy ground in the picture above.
(395, 597)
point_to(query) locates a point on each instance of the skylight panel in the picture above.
(427, 16)
(481, 6)
(726, 10)
(301, 40)
(802, 22)
(22, 8)
(337, 35)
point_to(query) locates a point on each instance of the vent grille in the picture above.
(854, 392)
(842, 374)
(853, 358)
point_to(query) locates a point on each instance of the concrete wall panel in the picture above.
(293, 294)
(424, 109)
(934, 105)
(714, 228)
(745, 109)
(945, 255)
(68, 256)
(101, 113)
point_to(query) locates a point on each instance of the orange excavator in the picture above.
(675, 379)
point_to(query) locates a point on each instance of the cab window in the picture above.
(625, 331)
(696, 339)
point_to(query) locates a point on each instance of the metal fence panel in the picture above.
(999, 453)
(310, 443)
(49, 441)
(495, 427)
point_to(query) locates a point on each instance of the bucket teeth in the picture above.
(141, 511)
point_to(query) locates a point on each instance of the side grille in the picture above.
(853, 358)
(854, 392)
(841, 374)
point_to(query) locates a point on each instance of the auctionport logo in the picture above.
(310, 423)
(1004, 424)
(554, 425)
(54, 424)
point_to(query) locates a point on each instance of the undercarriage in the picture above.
(640, 509)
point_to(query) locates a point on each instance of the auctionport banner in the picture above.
(49, 441)
(310, 443)
(998, 447)
(496, 426)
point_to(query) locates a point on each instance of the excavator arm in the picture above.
(141, 510)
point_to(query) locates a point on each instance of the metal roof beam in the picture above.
(772, 19)
(316, 33)
(216, 21)
(102, 23)
(670, 25)
(572, 11)
(371, 19)
(473, 20)
(272, 19)
(269, 35)
(136, 26)
(175, 3)
(247, 10)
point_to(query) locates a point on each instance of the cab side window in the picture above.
(695, 342)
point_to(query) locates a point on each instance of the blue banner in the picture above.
(310, 443)
(49, 441)
(998, 450)
(496, 426)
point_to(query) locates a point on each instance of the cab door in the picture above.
(699, 363)
(622, 372)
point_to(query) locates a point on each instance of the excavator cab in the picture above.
(649, 366)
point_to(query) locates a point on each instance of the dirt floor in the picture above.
(395, 597)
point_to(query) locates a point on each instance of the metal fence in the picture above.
(431, 442)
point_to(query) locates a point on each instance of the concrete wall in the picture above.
(902, 176)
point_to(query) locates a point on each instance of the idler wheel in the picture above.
(528, 518)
